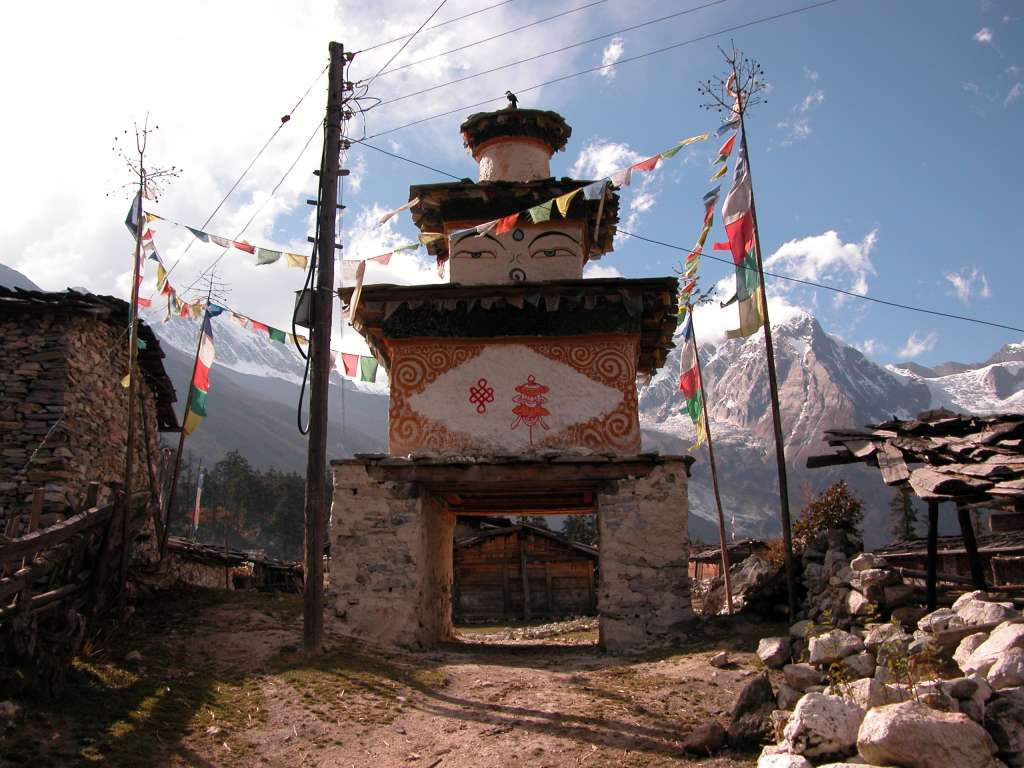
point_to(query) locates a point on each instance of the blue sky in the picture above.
(884, 159)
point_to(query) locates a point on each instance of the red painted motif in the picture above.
(481, 395)
(530, 408)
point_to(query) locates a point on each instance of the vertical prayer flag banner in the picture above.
(367, 369)
(689, 381)
(201, 380)
(739, 228)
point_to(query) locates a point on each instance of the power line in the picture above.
(776, 275)
(813, 284)
(406, 159)
(495, 37)
(406, 43)
(549, 53)
(286, 118)
(439, 24)
(734, 28)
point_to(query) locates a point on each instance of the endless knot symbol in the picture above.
(481, 395)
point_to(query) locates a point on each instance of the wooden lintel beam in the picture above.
(536, 476)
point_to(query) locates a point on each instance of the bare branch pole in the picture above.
(737, 93)
(714, 470)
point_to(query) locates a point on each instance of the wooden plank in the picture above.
(862, 448)
(527, 615)
(891, 464)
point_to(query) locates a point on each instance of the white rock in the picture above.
(774, 651)
(911, 735)
(1008, 670)
(719, 660)
(783, 761)
(860, 665)
(881, 634)
(865, 693)
(936, 621)
(801, 629)
(866, 560)
(875, 577)
(857, 604)
(983, 612)
(968, 646)
(823, 725)
(966, 597)
(1003, 638)
(801, 676)
(833, 646)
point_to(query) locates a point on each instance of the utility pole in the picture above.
(714, 470)
(773, 384)
(320, 356)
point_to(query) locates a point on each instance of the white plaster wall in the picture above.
(550, 250)
(513, 159)
(572, 398)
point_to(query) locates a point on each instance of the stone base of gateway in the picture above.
(393, 520)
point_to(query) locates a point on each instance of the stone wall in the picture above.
(391, 563)
(54, 366)
(644, 588)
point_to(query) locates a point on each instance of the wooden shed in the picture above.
(523, 572)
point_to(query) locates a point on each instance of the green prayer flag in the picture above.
(541, 212)
(693, 407)
(198, 404)
(141, 343)
(266, 256)
(277, 335)
(367, 369)
(671, 152)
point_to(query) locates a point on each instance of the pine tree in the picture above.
(902, 514)
(581, 528)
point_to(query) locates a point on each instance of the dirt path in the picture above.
(219, 682)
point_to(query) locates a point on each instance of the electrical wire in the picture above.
(285, 119)
(436, 26)
(775, 275)
(495, 37)
(549, 53)
(587, 71)
(813, 284)
(406, 43)
(406, 159)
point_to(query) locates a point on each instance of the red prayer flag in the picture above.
(350, 363)
(257, 326)
(143, 302)
(726, 149)
(506, 224)
(688, 383)
(243, 246)
(721, 247)
(646, 165)
(185, 309)
(741, 237)
(382, 259)
(167, 290)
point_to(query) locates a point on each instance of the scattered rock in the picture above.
(866, 693)
(967, 597)
(1003, 638)
(751, 714)
(823, 725)
(936, 621)
(865, 561)
(787, 696)
(1008, 670)
(860, 665)
(968, 646)
(913, 736)
(908, 616)
(900, 595)
(984, 612)
(1004, 718)
(833, 646)
(783, 761)
(876, 577)
(780, 718)
(961, 687)
(704, 740)
(885, 634)
(720, 660)
(801, 629)
(773, 651)
(858, 605)
(922, 645)
(801, 676)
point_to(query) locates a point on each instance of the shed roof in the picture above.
(970, 460)
(470, 541)
(647, 306)
(107, 309)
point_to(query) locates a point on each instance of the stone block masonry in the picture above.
(644, 588)
(391, 561)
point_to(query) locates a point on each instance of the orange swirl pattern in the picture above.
(608, 359)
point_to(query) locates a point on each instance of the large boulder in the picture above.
(967, 597)
(859, 665)
(936, 621)
(823, 725)
(865, 693)
(911, 735)
(755, 583)
(833, 646)
(1008, 670)
(984, 612)
(774, 651)
(751, 714)
(968, 646)
(1004, 718)
(1003, 638)
(866, 561)
(802, 676)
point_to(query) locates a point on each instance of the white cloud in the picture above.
(811, 75)
(968, 283)
(611, 54)
(870, 347)
(826, 258)
(812, 99)
(917, 345)
(798, 127)
(1015, 93)
(593, 269)
(983, 35)
(600, 158)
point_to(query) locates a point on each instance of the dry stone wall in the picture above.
(644, 591)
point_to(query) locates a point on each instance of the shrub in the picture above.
(834, 508)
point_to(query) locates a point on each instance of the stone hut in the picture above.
(63, 409)
(513, 392)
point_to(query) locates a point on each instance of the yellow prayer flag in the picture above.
(694, 139)
(751, 318)
(720, 172)
(126, 381)
(295, 260)
(702, 434)
(161, 277)
(428, 237)
(562, 203)
(197, 311)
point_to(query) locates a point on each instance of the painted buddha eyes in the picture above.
(549, 253)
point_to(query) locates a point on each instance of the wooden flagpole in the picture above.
(714, 471)
(773, 385)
